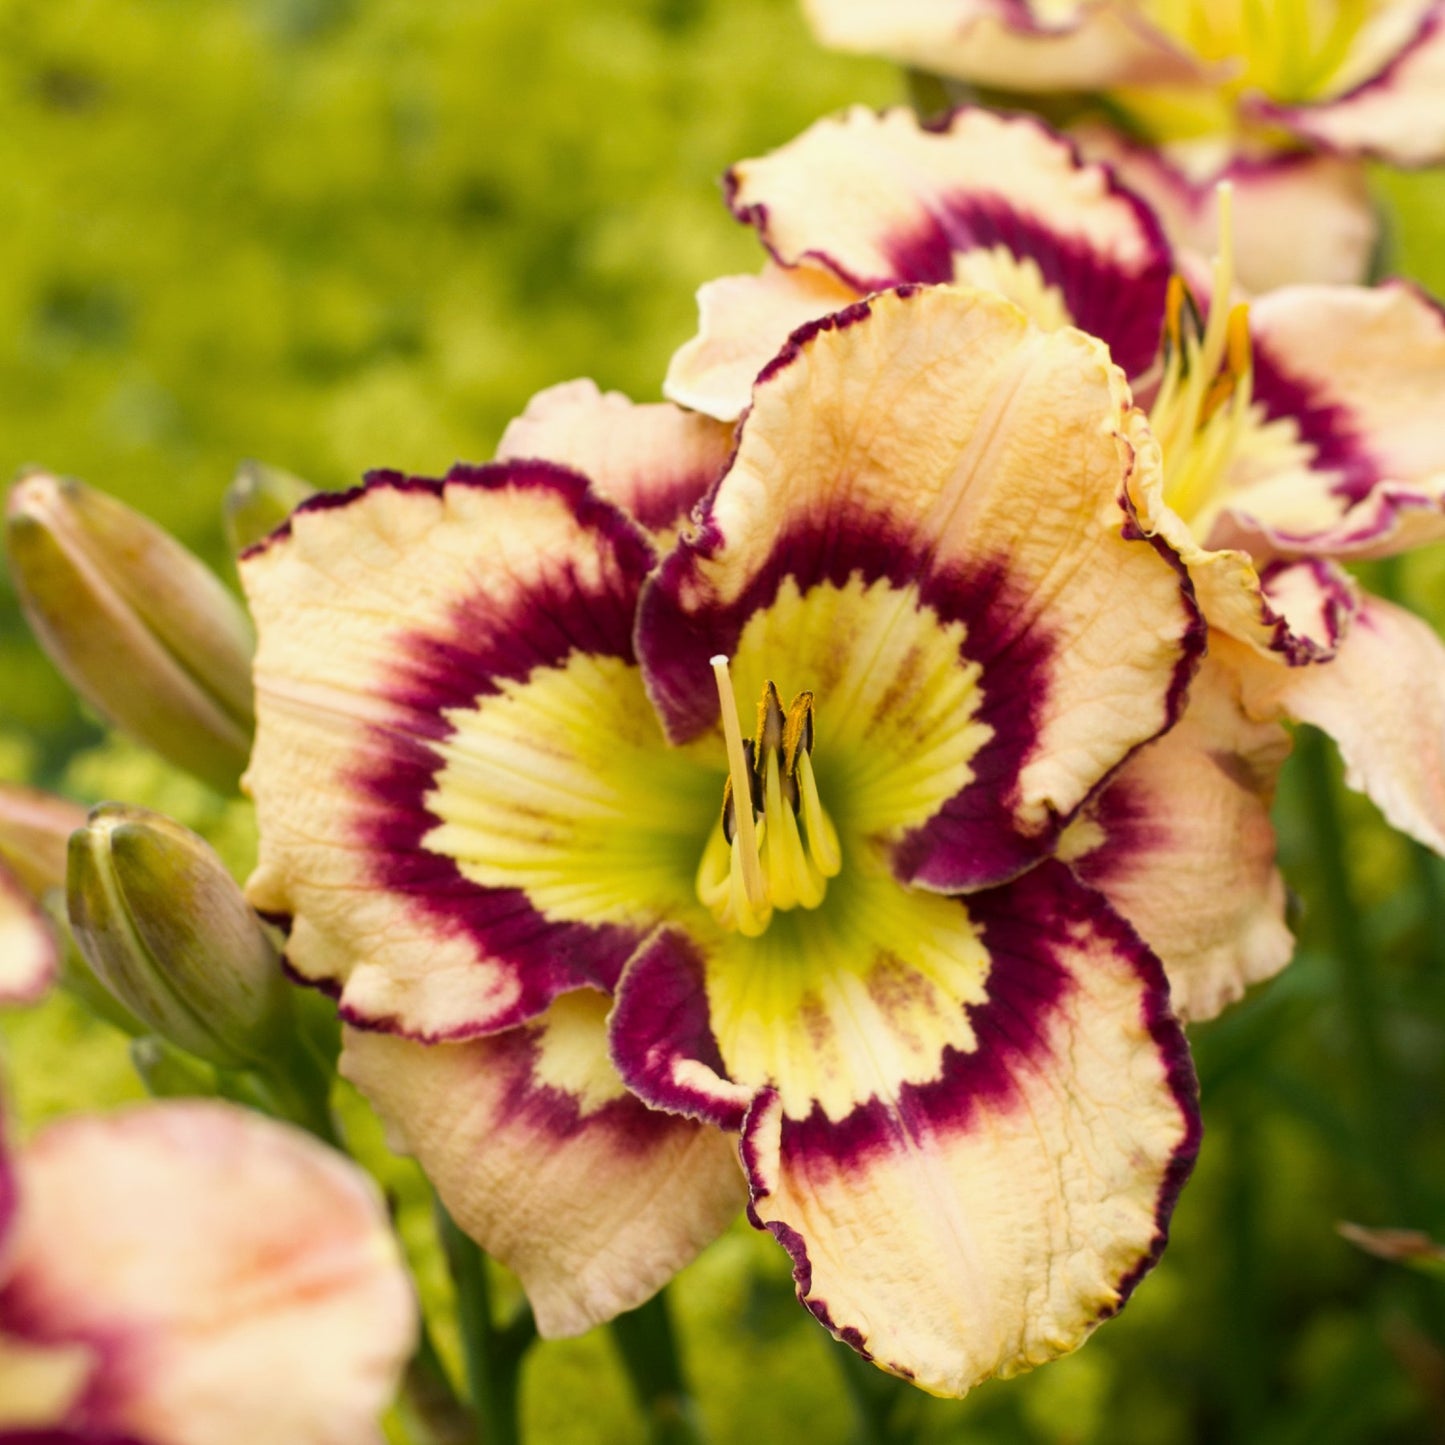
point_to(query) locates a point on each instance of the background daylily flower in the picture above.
(496, 736)
(1356, 78)
(862, 202)
(1303, 428)
(193, 1274)
(29, 950)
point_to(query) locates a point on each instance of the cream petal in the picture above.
(445, 671)
(743, 322)
(538, 1151)
(238, 1281)
(1181, 844)
(1350, 377)
(29, 951)
(1297, 217)
(1076, 45)
(984, 1220)
(979, 199)
(654, 461)
(1382, 699)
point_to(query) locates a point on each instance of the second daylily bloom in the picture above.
(591, 917)
(1293, 431)
(193, 1274)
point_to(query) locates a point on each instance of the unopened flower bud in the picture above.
(138, 625)
(34, 830)
(259, 500)
(165, 927)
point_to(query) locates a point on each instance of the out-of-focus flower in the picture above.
(35, 829)
(1353, 78)
(29, 950)
(166, 929)
(1293, 431)
(259, 500)
(193, 1274)
(142, 630)
(508, 779)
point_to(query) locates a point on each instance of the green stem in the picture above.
(493, 1356)
(645, 1340)
(1344, 938)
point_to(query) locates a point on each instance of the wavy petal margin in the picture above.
(654, 461)
(999, 202)
(538, 1151)
(1382, 699)
(1353, 377)
(224, 1278)
(404, 631)
(1085, 45)
(970, 1142)
(1297, 217)
(29, 950)
(1396, 113)
(1181, 845)
(937, 445)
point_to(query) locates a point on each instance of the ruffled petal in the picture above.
(232, 1280)
(29, 953)
(743, 322)
(969, 1118)
(1297, 613)
(1082, 45)
(1181, 844)
(1396, 111)
(538, 1151)
(1382, 699)
(1297, 217)
(462, 792)
(1346, 383)
(981, 200)
(930, 481)
(654, 461)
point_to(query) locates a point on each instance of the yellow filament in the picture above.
(753, 886)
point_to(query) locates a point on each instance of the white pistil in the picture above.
(754, 886)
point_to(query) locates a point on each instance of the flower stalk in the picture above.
(648, 1348)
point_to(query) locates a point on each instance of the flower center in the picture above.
(773, 847)
(1202, 411)
(1289, 48)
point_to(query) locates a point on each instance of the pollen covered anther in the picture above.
(780, 852)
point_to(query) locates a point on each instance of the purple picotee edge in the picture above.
(1123, 307)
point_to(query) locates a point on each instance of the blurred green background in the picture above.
(338, 234)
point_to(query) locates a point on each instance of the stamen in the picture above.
(740, 775)
(785, 837)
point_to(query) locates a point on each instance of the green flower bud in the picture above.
(34, 830)
(164, 926)
(259, 500)
(138, 625)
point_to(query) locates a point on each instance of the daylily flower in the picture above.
(193, 1274)
(1358, 77)
(587, 933)
(34, 829)
(1292, 432)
